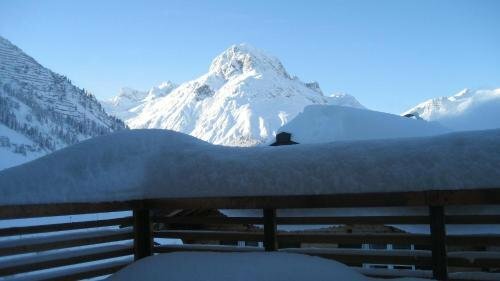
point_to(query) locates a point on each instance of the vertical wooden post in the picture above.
(143, 233)
(438, 238)
(270, 229)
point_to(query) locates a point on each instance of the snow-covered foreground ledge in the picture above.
(142, 164)
(208, 266)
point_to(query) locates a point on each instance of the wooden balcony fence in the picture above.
(98, 243)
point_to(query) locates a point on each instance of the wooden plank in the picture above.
(354, 238)
(38, 244)
(64, 226)
(82, 273)
(379, 199)
(143, 229)
(365, 220)
(207, 235)
(473, 219)
(61, 209)
(209, 220)
(473, 240)
(292, 201)
(270, 230)
(477, 262)
(438, 246)
(39, 262)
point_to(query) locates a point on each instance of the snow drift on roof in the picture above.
(140, 164)
(326, 123)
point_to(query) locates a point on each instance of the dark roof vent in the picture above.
(414, 115)
(283, 138)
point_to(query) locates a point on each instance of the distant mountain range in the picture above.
(243, 99)
(467, 110)
(42, 111)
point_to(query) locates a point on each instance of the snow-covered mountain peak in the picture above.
(161, 90)
(245, 59)
(242, 100)
(466, 110)
(462, 94)
(127, 95)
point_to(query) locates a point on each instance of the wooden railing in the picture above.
(48, 251)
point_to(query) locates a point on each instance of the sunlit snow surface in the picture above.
(209, 266)
(467, 110)
(326, 123)
(243, 99)
(158, 163)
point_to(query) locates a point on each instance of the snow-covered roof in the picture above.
(327, 123)
(139, 164)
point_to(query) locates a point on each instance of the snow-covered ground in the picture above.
(139, 164)
(208, 266)
(327, 123)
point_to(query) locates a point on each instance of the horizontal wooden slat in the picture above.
(378, 220)
(205, 235)
(483, 259)
(83, 272)
(45, 261)
(379, 199)
(61, 209)
(368, 220)
(64, 226)
(208, 220)
(474, 240)
(473, 219)
(474, 276)
(53, 242)
(354, 238)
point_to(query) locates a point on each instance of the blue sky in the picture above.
(389, 54)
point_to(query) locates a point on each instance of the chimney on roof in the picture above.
(283, 138)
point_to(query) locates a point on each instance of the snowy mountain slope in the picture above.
(319, 123)
(41, 111)
(242, 100)
(130, 102)
(467, 110)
